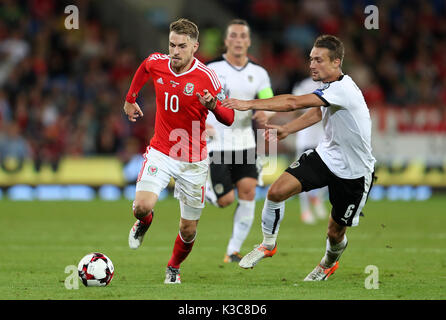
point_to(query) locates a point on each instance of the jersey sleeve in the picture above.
(331, 94)
(222, 114)
(140, 78)
(264, 90)
(213, 85)
(211, 82)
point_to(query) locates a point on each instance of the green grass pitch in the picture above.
(406, 241)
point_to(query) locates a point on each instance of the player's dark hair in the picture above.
(333, 44)
(186, 27)
(236, 21)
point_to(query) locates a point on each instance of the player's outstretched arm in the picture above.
(306, 120)
(280, 103)
(131, 108)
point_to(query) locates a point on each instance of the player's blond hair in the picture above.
(186, 27)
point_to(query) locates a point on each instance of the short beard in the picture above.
(178, 68)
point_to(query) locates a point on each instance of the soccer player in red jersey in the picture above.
(185, 92)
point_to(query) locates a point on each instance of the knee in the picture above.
(248, 195)
(335, 235)
(276, 194)
(187, 232)
(226, 200)
(141, 209)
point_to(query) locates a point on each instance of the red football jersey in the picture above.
(180, 117)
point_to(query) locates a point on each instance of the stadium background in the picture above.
(61, 91)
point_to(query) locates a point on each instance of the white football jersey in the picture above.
(346, 147)
(241, 83)
(308, 138)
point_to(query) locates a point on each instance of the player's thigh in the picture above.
(310, 171)
(286, 186)
(246, 188)
(190, 182)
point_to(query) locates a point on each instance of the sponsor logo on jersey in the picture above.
(173, 83)
(160, 80)
(250, 78)
(188, 89)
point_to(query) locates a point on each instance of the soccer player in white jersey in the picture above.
(312, 202)
(232, 150)
(343, 160)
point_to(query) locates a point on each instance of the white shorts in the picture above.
(190, 177)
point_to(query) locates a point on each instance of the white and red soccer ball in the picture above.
(95, 270)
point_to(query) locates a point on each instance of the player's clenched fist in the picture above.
(132, 110)
(207, 100)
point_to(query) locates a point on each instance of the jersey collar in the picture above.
(192, 68)
(234, 67)
(338, 79)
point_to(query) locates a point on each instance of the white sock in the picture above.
(210, 195)
(317, 198)
(243, 219)
(272, 215)
(333, 252)
(319, 208)
(269, 240)
(304, 202)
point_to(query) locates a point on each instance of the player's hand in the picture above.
(232, 103)
(274, 132)
(260, 117)
(133, 111)
(207, 100)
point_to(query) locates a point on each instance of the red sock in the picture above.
(180, 251)
(147, 219)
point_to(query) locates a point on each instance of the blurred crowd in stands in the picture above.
(401, 63)
(62, 91)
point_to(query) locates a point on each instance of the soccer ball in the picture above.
(96, 270)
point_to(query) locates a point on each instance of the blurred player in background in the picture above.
(312, 202)
(343, 159)
(185, 90)
(233, 150)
